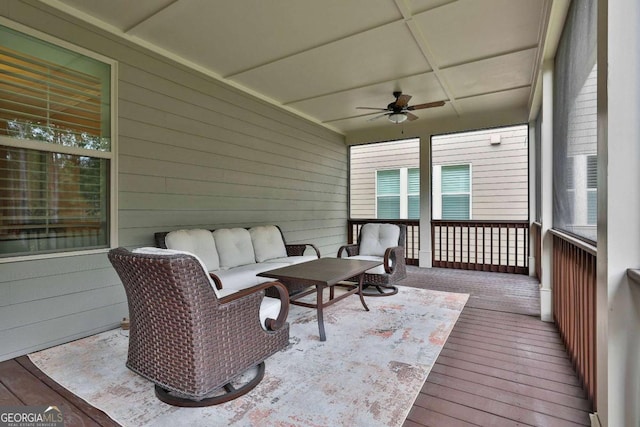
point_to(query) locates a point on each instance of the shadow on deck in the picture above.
(501, 365)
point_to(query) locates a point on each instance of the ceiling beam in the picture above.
(151, 15)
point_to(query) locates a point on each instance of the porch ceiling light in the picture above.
(397, 117)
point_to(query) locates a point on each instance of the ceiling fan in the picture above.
(399, 110)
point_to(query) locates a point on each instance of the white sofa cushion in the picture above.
(267, 242)
(234, 247)
(169, 252)
(375, 270)
(269, 308)
(296, 259)
(376, 238)
(244, 276)
(197, 241)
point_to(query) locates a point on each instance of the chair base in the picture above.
(379, 290)
(230, 393)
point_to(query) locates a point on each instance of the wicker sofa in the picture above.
(234, 256)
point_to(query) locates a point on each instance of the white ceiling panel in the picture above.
(382, 54)
(323, 58)
(469, 30)
(233, 36)
(122, 14)
(491, 75)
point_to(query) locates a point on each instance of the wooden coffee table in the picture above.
(321, 273)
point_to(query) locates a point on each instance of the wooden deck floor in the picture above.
(501, 366)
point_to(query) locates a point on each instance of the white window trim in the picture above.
(112, 155)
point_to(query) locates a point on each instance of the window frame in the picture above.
(111, 155)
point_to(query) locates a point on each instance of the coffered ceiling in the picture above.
(323, 58)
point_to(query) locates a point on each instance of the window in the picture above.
(452, 192)
(592, 190)
(398, 193)
(56, 158)
(456, 192)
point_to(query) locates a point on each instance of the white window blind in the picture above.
(53, 199)
(413, 193)
(388, 194)
(592, 190)
(456, 192)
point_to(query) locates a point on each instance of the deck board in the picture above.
(501, 365)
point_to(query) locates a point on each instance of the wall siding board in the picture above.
(192, 152)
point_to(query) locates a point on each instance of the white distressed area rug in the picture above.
(367, 373)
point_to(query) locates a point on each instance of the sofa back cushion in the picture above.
(234, 247)
(267, 242)
(376, 238)
(198, 242)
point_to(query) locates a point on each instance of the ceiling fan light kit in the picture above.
(397, 117)
(398, 110)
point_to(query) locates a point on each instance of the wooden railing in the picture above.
(536, 236)
(412, 242)
(498, 246)
(574, 304)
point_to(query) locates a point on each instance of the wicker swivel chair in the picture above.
(380, 242)
(193, 344)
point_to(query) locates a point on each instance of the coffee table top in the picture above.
(322, 271)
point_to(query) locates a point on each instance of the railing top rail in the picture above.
(634, 274)
(377, 220)
(581, 244)
(480, 222)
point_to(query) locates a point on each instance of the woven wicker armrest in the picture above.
(298, 249)
(351, 250)
(283, 295)
(393, 256)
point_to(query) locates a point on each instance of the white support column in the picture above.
(425, 202)
(533, 140)
(618, 299)
(546, 199)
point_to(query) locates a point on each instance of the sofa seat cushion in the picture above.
(198, 242)
(267, 242)
(234, 247)
(376, 238)
(375, 270)
(293, 259)
(244, 276)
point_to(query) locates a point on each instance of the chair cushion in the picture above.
(375, 270)
(169, 252)
(376, 238)
(234, 247)
(196, 241)
(267, 242)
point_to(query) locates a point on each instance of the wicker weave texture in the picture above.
(182, 338)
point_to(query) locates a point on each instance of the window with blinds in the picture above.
(413, 193)
(456, 192)
(592, 190)
(388, 194)
(55, 148)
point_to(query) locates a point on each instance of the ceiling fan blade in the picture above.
(377, 117)
(371, 108)
(427, 105)
(411, 116)
(403, 100)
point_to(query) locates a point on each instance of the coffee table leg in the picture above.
(323, 336)
(364, 304)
